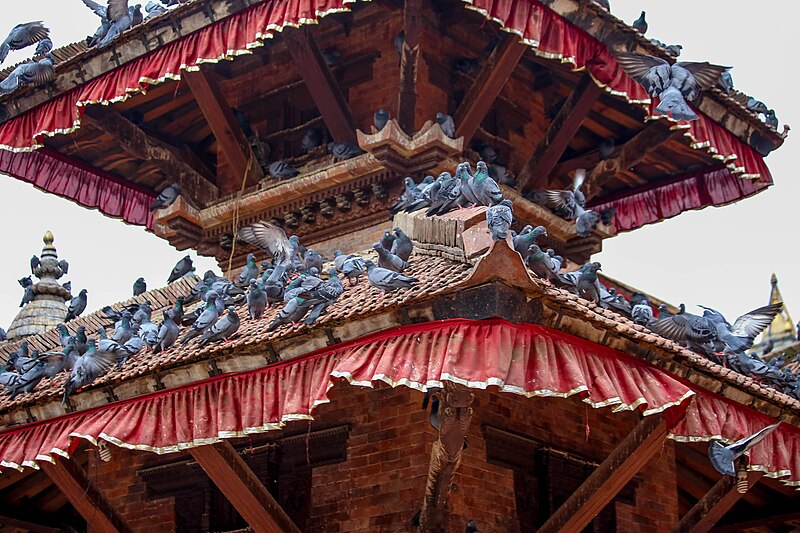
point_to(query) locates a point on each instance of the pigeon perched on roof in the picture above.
(124, 331)
(281, 170)
(388, 259)
(76, 306)
(312, 259)
(499, 219)
(341, 151)
(167, 333)
(206, 319)
(408, 196)
(154, 9)
(136, 14)
(249, 271)
(181, 268)
(523, 241)
(283, 250)
(402, 245)
(540, 263)
(120, 18)
(640, 24)
(445, 194)
(587, 282)
(139, 287)
(223, 328)
(22, 36)
(380, 119)
(483, 188)
(351, 266)
(642, 313)
(256, 299)
(44, 46)
(725, 82)
(166, 197)
(89, 367)
(323, 296)
(31, 73)
(723, 457)
(445, 122)
(674, 84)
(387, 280)
(311, 139)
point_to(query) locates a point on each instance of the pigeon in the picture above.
(484, 189)
(486, 151)
(44, 46)
(154, 9)
(642, 313)
(387, 280)
(281, 170)
(27, 296)
(167, 333)
(88, 367)
(293, 311)
(499, 219)
(67, 286)
(640, 24)
(353, 266)
(30, 73)
(148, 332)
(312, 260)
(249, 271)
(206, 319)
(76, 306)
(387, 241)
(256, 299)
(142, 313)
(331, 56)
(389, 260)
(402, 245)
(446, 123)
(407, 198)
(770, 119)
(130, 348)
(182, 267)
(139, 287)
(540, 263)
(166, 197)
(265, 236)
(25, 282)
(725, 82)
(673, 84)
(467, 65)
(740, 336)
(472, 527)
(22, 36)
(723, 457)
(587, 282)
(124, 331)
(604, 4)
(35, 262)
(569, 204)
(323, 296)
(136, 15)
(523, 241)
(120, 18)
(274, 285)
(80, 340)
(64, 266)
(341, 151)
(606, 149)
(311, 139)
(222, 329)
(3, 335)
(380, 119)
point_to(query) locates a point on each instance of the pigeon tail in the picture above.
(721, 458)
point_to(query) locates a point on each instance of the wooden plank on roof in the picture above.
(714, 505)
(242, 487)
(609, 478)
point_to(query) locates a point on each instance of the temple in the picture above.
(543, 411)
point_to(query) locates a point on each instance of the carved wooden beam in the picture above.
(714, 505)
(630, 154)
(487, 86)
(321, 84)
(242, 487)
(226, 130)
(73, 482)
(609, 478)
(409, 59)
(455, 414)
(139, 144)
(536, 172)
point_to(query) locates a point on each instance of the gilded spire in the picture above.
(782, 326)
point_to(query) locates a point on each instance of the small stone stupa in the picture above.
(48, 307)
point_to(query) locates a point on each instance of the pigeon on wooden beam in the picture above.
(120, 18)
(723, 457)
(380, 119)
(166, 197)
(22, 36)
(281, 170)
(445, 122)
(311, 139)
(387, 280)
(499, 219)
(31, 73)
(341, 151)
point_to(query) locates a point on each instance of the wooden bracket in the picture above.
(242, 487)
(713, 506)
(609, 478)
(73, 482)
(321, 84)
(487, 86)
(536, 172)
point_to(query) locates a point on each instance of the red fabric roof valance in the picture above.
(524, 359)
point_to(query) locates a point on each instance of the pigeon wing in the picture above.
(116, 9)
(98, 10)
(269, 238)
(28, 34)
(638, 66)
(675, 327)
(742, 445)
(560, 200)
(39, 74)
(751, 324)
(706, 74)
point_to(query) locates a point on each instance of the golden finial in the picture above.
(48, 238)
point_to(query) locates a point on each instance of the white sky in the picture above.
(721, 257)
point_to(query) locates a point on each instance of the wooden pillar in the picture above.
(536, 172)
(609, 478)
(409, 65)
(713, 506)
(243, 489)
(72, 481)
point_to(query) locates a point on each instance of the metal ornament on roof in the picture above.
(48, 307)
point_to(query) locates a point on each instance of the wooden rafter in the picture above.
(409, 60)
(242, 487)
(713, 505)
(487, 86)
(26, 523)
(536, 172)
(139, 144)
(226, 130)
(84, 496)
(321, 84)
(764, 521)
(630, 154)
(609, 478)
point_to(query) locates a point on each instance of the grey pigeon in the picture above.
(80, 340)
(139, 287)
(249, 271)
(283, 250)
(407, 198)
(274, 284)
(756, 106)
(68, 286)
(499, 219)
(129, 349)
(22, 36)
(281, 170)
(725, 82)
(500, 174)
(422, 195)
(341, 151)
(166, 197)
(740, 336)
(256, 299)
(311, 139)
(76, 306)
(223, 328)
(569, 204)
(387, 240)
(523, 241)
(178, 310)
(44, 46)
(380, 119)
(723, 457)
(331, 56)
(27, 296)
(292, 312)
(587, 282)
(181, 268)
(167, 333)
(120, 18)
(31, 73)
(323, 296)
(353, 266)
(143, 313)
(35, 262)
(640, 24)
(64, 266)
(154, 9)
(484, 189)
(312, 259)
(148, 332)
(389, 260)
(104, 344)
(770, 119)
(387, 280)
(206, 319)
(445, 192)
(3, 335)
(25, 282)
(642, 313)
(606, 149)
(446, 123)
(89, 367)
(540, 263)
(402, 245)
(124, 331)
(136, 14)
(486, 151)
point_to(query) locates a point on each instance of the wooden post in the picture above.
(226, 130)
(487, 86)
(72, 481)
(713, 506)
(609, 478)
(242, 487)
(536, 172)
(409, 65)
(321, 84)
(139, 144)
